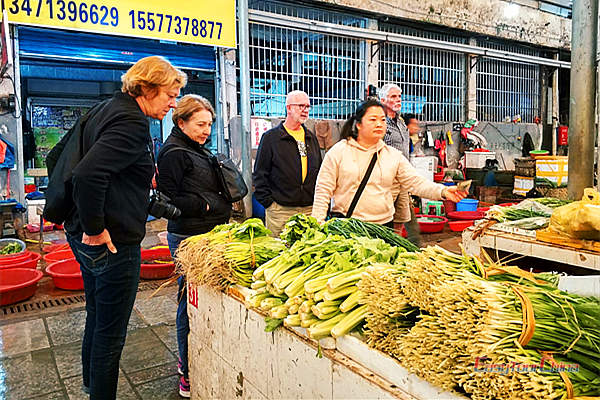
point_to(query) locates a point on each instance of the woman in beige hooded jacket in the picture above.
(346, 163)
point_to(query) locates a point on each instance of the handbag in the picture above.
(358, 193)
(233, 187)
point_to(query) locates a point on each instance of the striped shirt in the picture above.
(397, 136)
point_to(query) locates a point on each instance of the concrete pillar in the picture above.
(471, 84)
(555, 110)
(372, 70)
(544, 75)
(582, 99)
(244, 48)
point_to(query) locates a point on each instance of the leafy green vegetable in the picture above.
(351, 227)
(272, 324)
(11, 248)
(299, 226)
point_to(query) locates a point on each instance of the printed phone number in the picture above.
(103, 15)
(157, 22)
(67, 10)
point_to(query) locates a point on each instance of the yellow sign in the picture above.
(199, 21)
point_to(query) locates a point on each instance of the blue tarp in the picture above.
(39, 43)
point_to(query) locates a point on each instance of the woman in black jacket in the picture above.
(186, 176)
(110, 194)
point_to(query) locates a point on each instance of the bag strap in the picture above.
(362, 186)
(173, 148)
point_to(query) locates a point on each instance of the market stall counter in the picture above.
(526, 243)
(231, 356)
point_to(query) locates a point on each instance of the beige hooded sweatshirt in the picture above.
(342, 170)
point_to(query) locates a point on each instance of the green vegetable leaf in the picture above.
(272, 324)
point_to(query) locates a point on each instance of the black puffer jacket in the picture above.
(112, 180)
(191, 183)
(278, 169)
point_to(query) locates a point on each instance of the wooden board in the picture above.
(544, 235)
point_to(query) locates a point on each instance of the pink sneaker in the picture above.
(184, 387)
(179, 367)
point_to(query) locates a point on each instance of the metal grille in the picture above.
(298, 10)
(40, 305)
(329, 68)
(507, 90)
(432, 81)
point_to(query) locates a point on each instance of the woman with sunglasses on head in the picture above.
(187, 176)
(346, 164)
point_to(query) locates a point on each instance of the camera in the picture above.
(160, 207)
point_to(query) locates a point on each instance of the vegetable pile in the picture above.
(473, 315)
(462, 323)
(313, 283)
(11, 248)
(227, 255)
(530, 214)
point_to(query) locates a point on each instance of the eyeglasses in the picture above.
(302, 107)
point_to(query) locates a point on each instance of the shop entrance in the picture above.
(63, 74)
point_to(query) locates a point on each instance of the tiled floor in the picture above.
(40, 357)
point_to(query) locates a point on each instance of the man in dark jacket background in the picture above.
(287, 164)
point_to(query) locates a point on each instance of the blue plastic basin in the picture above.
(467, 205)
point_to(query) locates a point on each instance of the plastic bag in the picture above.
(580, 219)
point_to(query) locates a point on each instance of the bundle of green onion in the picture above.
(389, 316)
(350, 227)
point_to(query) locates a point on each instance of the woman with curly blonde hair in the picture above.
(111, 183)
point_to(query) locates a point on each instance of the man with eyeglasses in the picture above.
(398, 137)
(287, 163)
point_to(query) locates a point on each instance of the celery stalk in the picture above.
(350, 321)
(323, 329)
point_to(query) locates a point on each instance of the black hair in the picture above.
(349, 129)
(409, 117)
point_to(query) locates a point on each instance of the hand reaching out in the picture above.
(453, 194)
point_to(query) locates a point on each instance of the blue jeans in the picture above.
(110, 283)
(182, 322)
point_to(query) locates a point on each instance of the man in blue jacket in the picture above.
(287, 164)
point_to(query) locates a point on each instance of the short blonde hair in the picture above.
(189, 105)
(150, 73)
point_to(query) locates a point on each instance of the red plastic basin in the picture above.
(466, 215)
(56, 247)
(18, 284)
(13, 258)
(30, 262)
(507, 204)
(150, 270)
(459, 226)
(59, 255)
(66, 274)
(431, 223)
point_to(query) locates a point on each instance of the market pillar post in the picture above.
(582, 99)
(555, 110)
(471, 84)
(245, 101)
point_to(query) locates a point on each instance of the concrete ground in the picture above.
(40, 338)
(40, 341)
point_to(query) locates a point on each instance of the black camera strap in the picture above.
(154, 166)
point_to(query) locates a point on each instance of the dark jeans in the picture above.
(182, 322)
(110, 283)
(413, 232)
